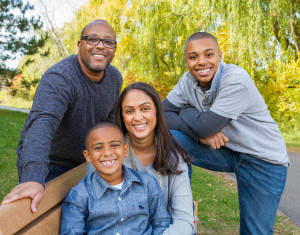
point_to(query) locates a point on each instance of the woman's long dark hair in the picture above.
(168, 150)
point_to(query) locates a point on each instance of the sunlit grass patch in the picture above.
(17, 102)
(292, 138)
(217, 198)
(218, 207)
(11, 124)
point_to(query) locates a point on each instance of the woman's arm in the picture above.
(181, 204)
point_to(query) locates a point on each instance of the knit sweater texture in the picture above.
(66, 105)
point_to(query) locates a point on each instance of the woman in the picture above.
(152, 149)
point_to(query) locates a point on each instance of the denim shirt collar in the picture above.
(211, 93)
(100, 185)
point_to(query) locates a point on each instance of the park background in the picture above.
(262, 36)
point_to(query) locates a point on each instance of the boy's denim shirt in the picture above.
(94, 207)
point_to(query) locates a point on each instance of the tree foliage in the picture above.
(261, 30)
(14, 24)
(261, 36)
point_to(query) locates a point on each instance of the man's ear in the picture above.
(87, 155)
(78, 44)
(126, 150)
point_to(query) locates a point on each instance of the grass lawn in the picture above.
(218, 208)
(8, 100)
(11, 124)
(216, 195)
(292, 140)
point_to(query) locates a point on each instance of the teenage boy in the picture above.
(113, 199)
(221, 119)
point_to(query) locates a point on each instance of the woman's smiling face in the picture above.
(139, 114)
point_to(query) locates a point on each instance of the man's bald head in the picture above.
(95, 22)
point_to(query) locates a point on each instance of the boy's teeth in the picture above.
(203, 70)
(108, 162)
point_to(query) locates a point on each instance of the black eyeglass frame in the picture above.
(99, 40)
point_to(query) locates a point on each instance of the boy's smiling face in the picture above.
(106, 150)
(202, 57)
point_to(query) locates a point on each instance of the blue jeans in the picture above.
(260, 184)
(55, 172)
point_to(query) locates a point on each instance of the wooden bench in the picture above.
(16, 218)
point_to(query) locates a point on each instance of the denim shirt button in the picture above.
(117, 233)
(122, 219)
(119, 198)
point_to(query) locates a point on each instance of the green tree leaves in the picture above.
(13, 26)
(262, 36)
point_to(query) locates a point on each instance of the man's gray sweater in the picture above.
(66, 105)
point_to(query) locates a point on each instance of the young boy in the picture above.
(113, 199)
(221, 119)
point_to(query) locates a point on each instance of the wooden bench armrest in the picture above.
(17, 217)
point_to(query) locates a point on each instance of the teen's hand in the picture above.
(215, 141)
(33, 190)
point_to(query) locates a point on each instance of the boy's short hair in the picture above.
(99, 126)
(200, 35)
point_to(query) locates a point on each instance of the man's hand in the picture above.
(215, 141)
(33, 190)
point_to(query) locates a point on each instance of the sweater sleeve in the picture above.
(51, 101)
(181, 202)
(175, 122)
(204, 124)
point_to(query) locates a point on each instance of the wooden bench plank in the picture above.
(17, 215)
(16, 218)
(47, 224)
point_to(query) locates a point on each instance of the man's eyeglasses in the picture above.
(92, 40)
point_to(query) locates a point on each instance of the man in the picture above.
(72, 96)
(223, 122)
